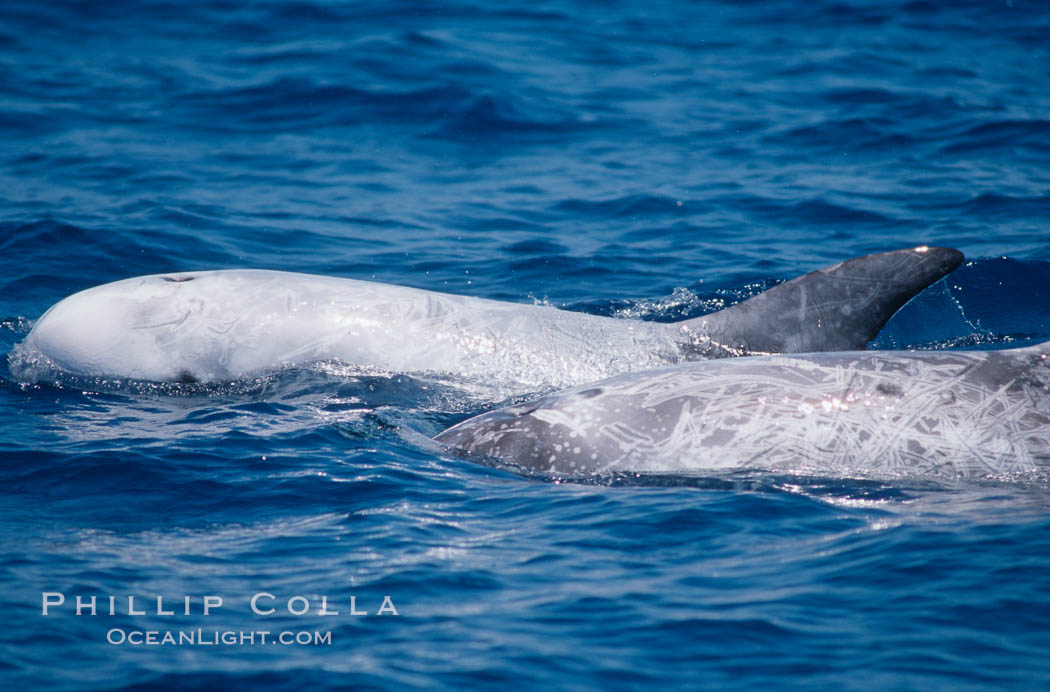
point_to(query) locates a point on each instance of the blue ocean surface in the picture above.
(642, 160)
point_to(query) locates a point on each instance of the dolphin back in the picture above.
(927, 414)
(837, 308)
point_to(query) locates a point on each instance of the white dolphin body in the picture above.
(932, 414)
(224, 325)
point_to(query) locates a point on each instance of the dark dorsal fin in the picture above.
(837, 308)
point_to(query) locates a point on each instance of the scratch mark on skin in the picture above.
(952, 414)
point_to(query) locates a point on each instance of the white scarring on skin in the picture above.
(950, 414)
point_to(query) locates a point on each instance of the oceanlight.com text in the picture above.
(201, 637)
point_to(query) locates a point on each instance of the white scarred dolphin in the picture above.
(946, 414)
(223, 325)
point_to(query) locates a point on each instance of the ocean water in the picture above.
(643, 160)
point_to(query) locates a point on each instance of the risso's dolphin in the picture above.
(948, 414)
(223, 325)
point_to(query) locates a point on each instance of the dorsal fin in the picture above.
(837, 308)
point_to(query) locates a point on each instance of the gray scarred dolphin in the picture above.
(224, 325)
(948, 414)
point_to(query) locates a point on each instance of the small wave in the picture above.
(854, 96)
(1008, 207)
(806, 212)
(822, 211)
(1033, 135)
(295, 104)
(623, 207)
(490, 116)
(563, 265)
(536, 247)
(859, 135)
